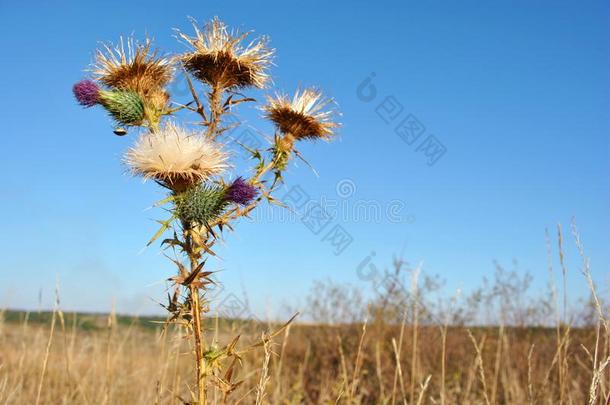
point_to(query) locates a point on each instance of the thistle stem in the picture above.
(196, 313)
(216, 110)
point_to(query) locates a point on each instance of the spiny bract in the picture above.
(201, 204)
(125, 106)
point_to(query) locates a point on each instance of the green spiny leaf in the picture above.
(164, 226)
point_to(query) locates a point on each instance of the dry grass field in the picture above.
(79, 362)
(414, 348)
(308, 364)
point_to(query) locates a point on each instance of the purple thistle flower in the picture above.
(240, 192)
(87, 93)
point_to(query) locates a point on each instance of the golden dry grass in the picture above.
(309, 364)
(416, 360)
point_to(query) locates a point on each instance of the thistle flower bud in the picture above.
(281, 150)
(125, 106)
(240, 192)
(87, 93)
(200, 204)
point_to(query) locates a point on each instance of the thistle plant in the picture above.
(192, 163)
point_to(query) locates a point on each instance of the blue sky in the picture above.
(517, 92)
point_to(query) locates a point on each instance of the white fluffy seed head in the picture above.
(176, 156)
